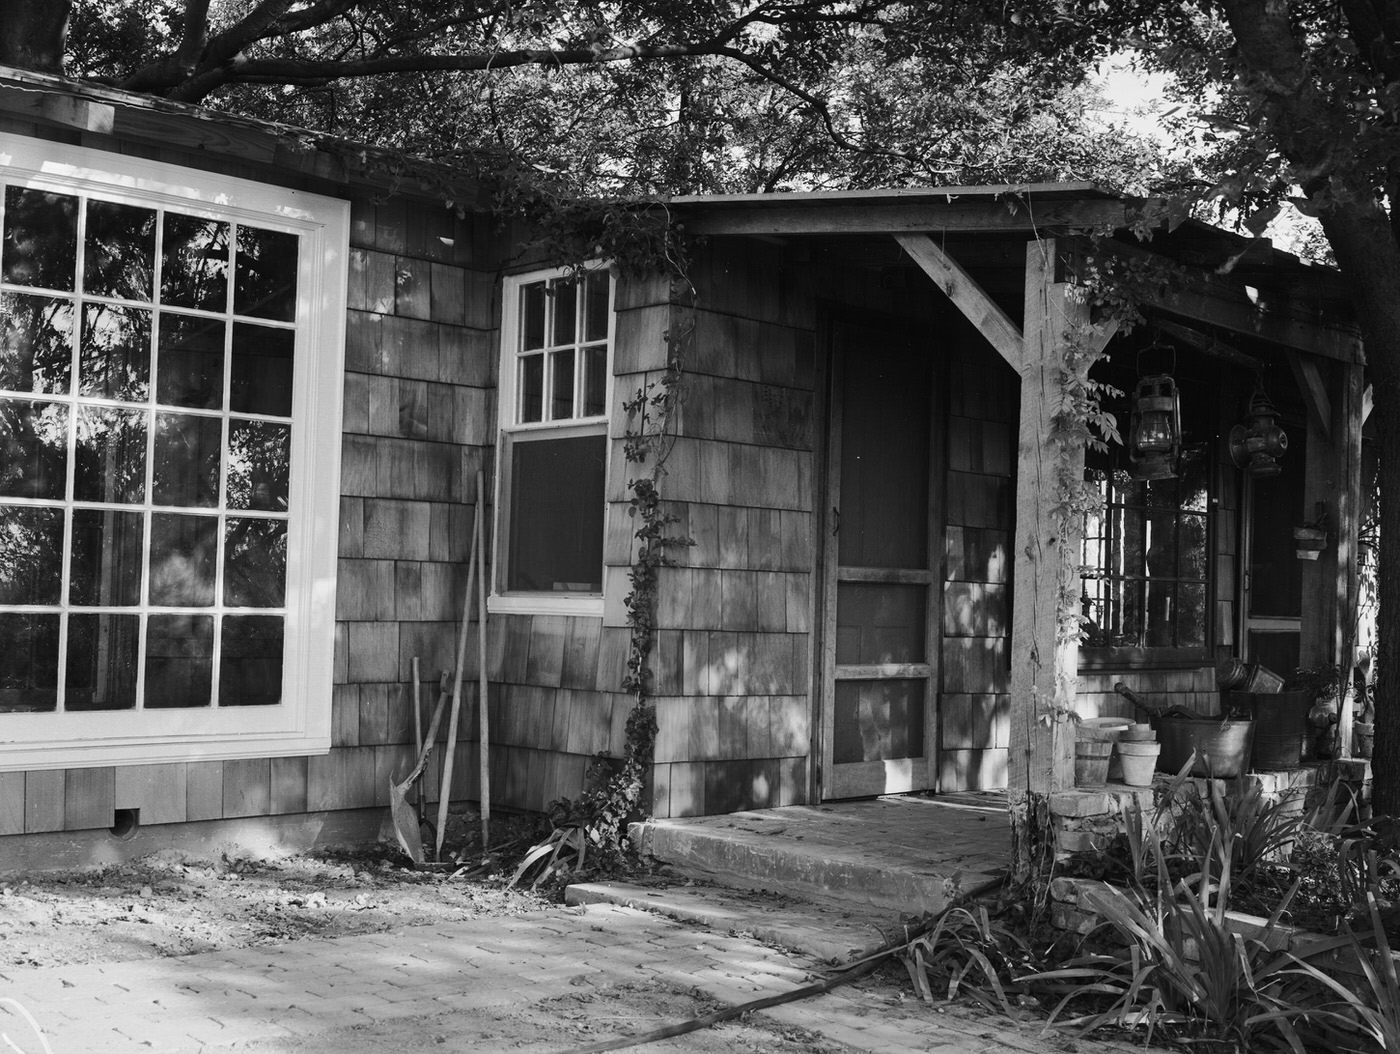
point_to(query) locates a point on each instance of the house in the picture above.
(248, 375)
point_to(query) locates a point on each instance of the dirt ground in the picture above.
(172, 904)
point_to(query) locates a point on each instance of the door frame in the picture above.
(923, 772)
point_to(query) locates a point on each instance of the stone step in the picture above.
(906, 856)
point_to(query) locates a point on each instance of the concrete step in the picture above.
(905, 856)
(831, 933)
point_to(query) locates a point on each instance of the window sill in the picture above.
(1143, 658)
(88, 740)
(544, 604)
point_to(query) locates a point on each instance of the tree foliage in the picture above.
(624, 97)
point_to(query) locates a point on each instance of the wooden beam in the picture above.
(969, 297)
(1097, 336)
(1368, 403)
(1043, 666)
(1209, 344)
(891, 218)
(1314, 390)
(1351, 503)
(1226, 302)
(78, 113)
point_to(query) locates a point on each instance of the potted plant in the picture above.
(1322, 684)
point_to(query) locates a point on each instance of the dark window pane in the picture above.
(1191, 615)
(119, 250)
(28, 663)
(187, 450)
(1193, 488)
(556, 515)
(262, 370)
(1193, 559)
(1161, 611)
(31, 556)
(179, 661)
(102, 662)
(106, 566)
(532, 301)
(250, 663)
(885, 457)
(111, 455)
(878, 720)
(565, 311)
(1128, 621)
(36, 344)
(562, 369)
(596, 315)
(259, 465)
(41, 238)
(878, 623)
(33, 449)
(531, 388)
(182, 560)
(116, 353)
(595, 380)
(255, 563)
(1146, 558)
(1275, 573)
(194, 263)
(265, 274)
(190, 371)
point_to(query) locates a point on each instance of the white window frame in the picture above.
(540, 603)
(301, 723)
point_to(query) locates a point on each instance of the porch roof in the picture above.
(1238, 285)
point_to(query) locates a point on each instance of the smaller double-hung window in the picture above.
(555, 384)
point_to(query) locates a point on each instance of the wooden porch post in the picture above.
(1333, 481)
(1043, 661)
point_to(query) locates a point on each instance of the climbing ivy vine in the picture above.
(1113, 287)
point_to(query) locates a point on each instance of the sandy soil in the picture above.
(171, 904)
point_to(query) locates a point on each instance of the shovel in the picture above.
(405, 816)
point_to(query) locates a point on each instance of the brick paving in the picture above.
(273, 997)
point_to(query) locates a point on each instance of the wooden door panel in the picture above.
(881, 623)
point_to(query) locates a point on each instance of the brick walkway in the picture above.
(302, 995)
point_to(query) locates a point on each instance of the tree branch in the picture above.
(196, 30)
(168, 72)
(315, 72)
(823, 112)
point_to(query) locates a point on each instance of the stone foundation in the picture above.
(1086, 820)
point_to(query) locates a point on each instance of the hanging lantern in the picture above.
(1154, 432)
(1256, 445)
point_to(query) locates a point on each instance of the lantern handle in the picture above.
(1158, 342)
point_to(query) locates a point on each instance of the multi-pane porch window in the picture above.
(145, 414)
(555, 371)
(1146, 559)
(163, 576)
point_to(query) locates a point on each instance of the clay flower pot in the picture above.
(1138, 760)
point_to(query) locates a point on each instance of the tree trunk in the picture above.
(1368, 255)
(1306, 124)
(32, 34)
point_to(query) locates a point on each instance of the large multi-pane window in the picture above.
(1146, 558)
(156, 408)
(555, 380)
